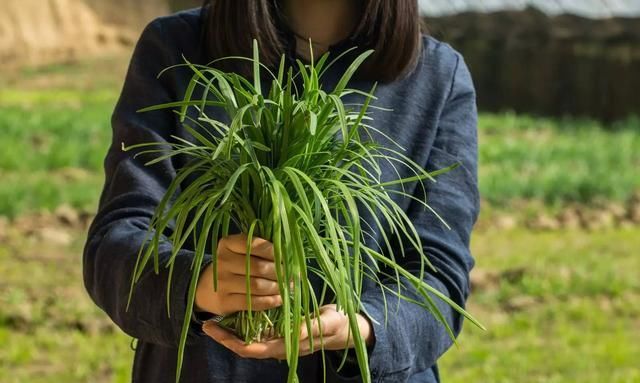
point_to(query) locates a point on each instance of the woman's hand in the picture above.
(335, 336)
(232, 289)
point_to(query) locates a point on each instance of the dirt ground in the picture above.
(44, 31)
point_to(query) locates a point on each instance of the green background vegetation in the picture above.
(55, 121)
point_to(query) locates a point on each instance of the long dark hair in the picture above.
(391, 27)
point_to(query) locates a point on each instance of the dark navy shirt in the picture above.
(434, 118)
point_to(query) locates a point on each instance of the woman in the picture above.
(429, 88)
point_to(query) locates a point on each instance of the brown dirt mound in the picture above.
(43, 31)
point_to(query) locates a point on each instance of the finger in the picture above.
(274, 348)
(260, 247)
(225, 338)
(258, 267)
(317, 325)
(325, 324)
(271, 349)
(319, 343)
(238, 302)
(236, 284)
(216, 332)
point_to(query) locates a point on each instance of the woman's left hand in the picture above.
(335, 336)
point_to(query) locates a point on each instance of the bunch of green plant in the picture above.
(293, 168)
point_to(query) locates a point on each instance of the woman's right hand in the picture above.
(231, 295)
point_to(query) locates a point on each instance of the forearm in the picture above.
(109, 259)
(408, 337)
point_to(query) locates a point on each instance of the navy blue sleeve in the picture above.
(412, 339)
(130, 195)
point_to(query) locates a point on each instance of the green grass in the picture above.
(52, 138)
(580, 326)
(57, 116)
(580, 322)
(53, 145)
(557, 161)
(30, 191)
(45, 132)
(55, 126)
(53, 355)
(49, 329)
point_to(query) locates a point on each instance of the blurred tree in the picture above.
(531, 62)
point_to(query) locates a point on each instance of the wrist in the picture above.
(204, 290)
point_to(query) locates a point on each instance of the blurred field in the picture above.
(561, 306)
(59, 116)
(557, 161)
(55, 130)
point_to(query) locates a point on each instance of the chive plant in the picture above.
(296, 167)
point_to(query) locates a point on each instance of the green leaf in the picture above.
(351, 70)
